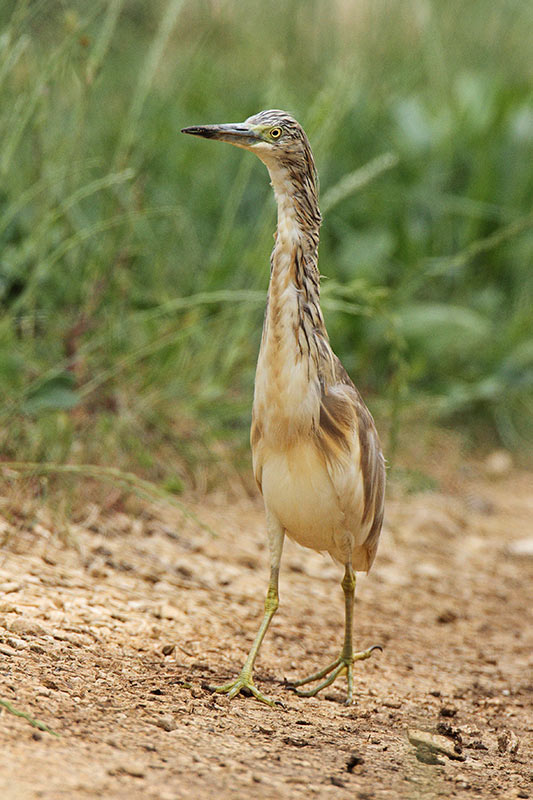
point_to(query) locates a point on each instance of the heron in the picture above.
(316, 454)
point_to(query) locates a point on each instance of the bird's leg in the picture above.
(344, 663)
(245, 680)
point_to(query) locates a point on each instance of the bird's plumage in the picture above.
(316, 453)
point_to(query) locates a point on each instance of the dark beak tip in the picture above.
(205, 131)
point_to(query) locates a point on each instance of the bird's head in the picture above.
(274, 136)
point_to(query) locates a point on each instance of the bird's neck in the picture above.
(294, 260)
(298, 212)
(287, 395)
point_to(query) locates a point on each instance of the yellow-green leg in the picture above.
(344, 663)
(245, 680)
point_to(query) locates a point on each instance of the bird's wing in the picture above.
(348, 438)
(256, 441)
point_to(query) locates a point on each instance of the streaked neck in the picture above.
(287, 388)
(298, 213)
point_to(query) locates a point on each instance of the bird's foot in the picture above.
(244, 683)
(342, 664)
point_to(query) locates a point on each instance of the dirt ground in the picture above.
(111, 629)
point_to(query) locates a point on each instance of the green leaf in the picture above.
(441, 328)
(55, 394)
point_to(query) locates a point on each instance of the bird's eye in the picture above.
(275, 133)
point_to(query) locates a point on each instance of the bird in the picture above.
(316, 454)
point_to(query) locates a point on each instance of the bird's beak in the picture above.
(239, 134)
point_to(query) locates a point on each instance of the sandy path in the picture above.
(82, 632)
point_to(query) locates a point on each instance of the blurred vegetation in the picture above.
(134, 261)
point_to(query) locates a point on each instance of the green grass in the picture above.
(134, 261)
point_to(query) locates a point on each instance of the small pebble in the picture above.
(446, 617)
(508, 740)
(446, 730)
(435, 742)
(129, 768)
(446, 711)
(167, 723)
(479, 505)
(354, 761)
(18, 644)
(477, 744)
(220, 700)
(498, 464)
(9, 586)
(112, 741)
(295, 741)
(26, 627)
(263, 730)
(521, 548)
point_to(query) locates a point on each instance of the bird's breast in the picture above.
(298, 491)
(286, 402)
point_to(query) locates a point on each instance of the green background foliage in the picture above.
(134, 261)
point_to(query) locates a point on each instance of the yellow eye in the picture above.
(275, 133)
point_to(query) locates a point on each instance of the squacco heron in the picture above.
(316, 454)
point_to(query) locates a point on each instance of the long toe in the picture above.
(330, 673)
(245, 685)
(339, 669)
(316, 676)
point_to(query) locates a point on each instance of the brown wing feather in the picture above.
(256, 441)
(373, 469)
(340, 414)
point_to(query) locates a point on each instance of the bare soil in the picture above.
(111, 629)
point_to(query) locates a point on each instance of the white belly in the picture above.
(298, 491)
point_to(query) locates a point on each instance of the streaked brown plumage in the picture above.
(316, 453)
